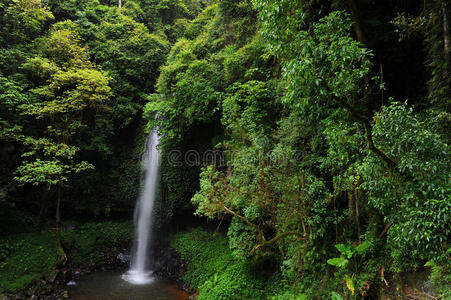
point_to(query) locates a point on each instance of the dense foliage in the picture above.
(316, 132)
(322, 147)
(74, 78)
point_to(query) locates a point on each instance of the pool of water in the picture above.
(111, 286)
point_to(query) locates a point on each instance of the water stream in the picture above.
(139, 272)
(108, 285)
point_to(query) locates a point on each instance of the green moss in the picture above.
(25, 258)
(87, 243)
(213, 270)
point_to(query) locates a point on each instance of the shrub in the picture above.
(212, 268)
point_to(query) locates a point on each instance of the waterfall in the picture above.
(139, 272)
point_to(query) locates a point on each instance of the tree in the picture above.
(132, 55)
(53, 171)
(21, 20)
(71, 102)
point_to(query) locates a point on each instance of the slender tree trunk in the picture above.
(446, 33)
(336, 222)
(351, 205)
(354, 8)
(58, 219)
(357, 213)
(120, 4)
(59, 247)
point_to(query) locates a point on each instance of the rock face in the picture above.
(167, 264)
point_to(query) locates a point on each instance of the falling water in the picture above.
(139, 273)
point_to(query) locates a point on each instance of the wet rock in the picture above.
(66, 294)
(54, 277)
(123, 258)
(47, 290)
(33, 297)
(71, 283)
(67, 275)
(20, 296)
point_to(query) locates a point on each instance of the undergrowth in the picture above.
(213, 270)
(27, 258)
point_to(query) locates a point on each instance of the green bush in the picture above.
(213, 270)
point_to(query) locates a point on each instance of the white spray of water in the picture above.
(139, 273)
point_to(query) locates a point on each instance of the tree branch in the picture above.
(385, 229)
(276, 238)
(264, 242)
(260, 233)
(368, 133)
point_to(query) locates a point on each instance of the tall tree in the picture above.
(72, 100)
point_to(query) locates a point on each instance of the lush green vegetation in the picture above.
(317, 132)
(213, 270)
(29, 257)
(26, 258)
(328, 171)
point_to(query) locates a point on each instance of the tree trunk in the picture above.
(58, 219)
(120, 4)
(351, 205)
(357, 213)
(59, 247)
(353, 7)
(361, 37)
(446, 34)
(336, 222)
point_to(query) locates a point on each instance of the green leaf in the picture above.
(363, 247)
(338, 261)
(335, 296)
